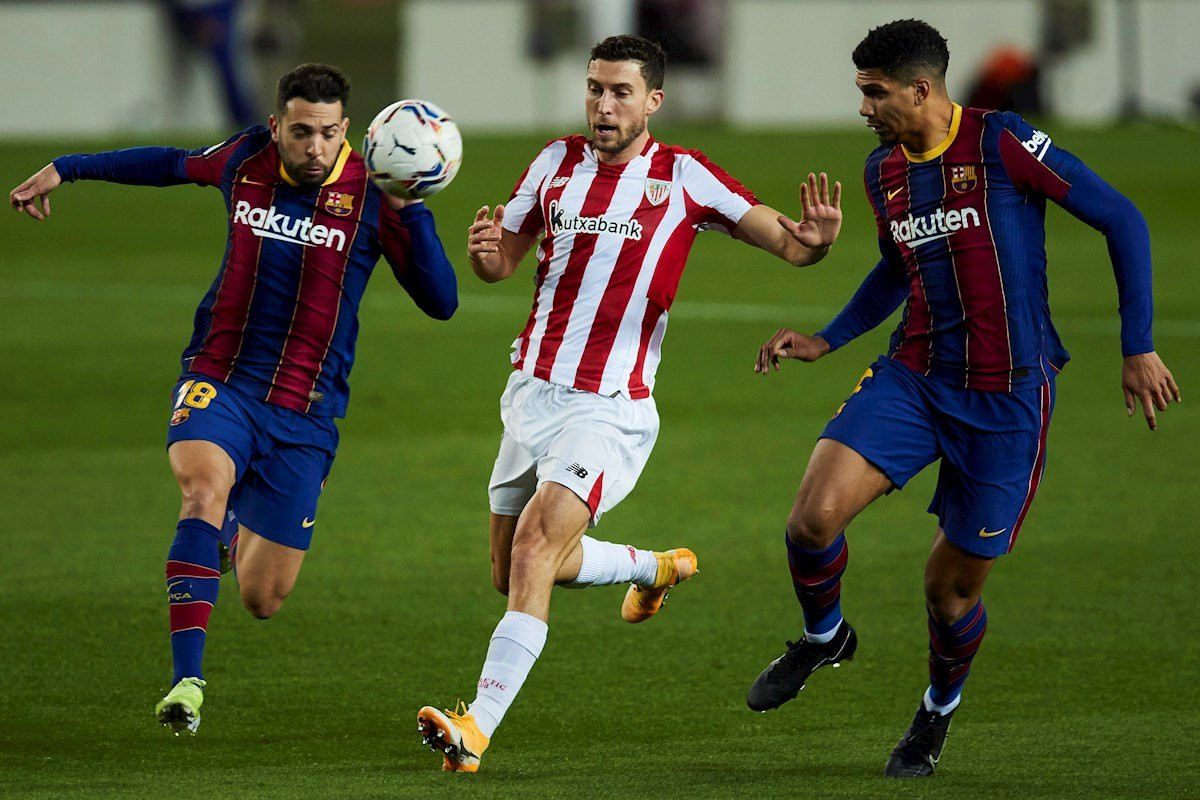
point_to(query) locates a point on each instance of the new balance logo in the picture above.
(561, 180)
(273, 225)
(578, 470)
(561, 222)
(938, 225)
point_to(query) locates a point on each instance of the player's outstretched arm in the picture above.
(33, 195)
(787, 343)
(495, 252)
(799, 243)
(1146, 379)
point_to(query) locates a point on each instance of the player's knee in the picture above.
(947, 601)
(500, 579)
(261, 603)
(531, 549)
(814, 525)
(202, 499)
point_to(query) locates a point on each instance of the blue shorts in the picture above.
(992, 446)
(282, 457)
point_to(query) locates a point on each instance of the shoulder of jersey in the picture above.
(256, 134)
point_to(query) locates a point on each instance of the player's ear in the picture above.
(345, 125)
(921, 90)
(273, 124)
(654, 100)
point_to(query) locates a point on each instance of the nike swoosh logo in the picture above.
(985, 533)
(308, 523)
(253, 183)
(171, 586)
(890, 195)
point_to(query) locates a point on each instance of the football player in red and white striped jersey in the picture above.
(614, 215)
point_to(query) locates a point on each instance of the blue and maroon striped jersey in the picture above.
(962, 234)
(281, 317)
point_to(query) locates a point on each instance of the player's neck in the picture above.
(631, 152)
(938, 117)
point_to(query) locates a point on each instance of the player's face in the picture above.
(889, 105)
(309, 137)
(618, 104)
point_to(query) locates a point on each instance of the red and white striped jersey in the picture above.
(614, 243)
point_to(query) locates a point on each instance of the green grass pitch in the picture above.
(1085, 687)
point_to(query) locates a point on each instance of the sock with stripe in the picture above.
(229, 537)
(606, 563)
(817, 579)
(193, 574)
(516, 644)
(951, 650)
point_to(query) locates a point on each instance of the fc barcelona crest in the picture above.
(339, 204)
(657, 191)
(963, 178)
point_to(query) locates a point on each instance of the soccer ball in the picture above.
(412, 149)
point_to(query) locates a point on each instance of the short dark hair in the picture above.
(316, 83)
(648, 54)
(904, 49)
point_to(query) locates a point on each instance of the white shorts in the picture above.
(596, 446)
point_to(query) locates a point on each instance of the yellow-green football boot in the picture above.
(180, 709)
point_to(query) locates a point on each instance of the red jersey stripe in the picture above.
(976, 266)
(620, 287)
(599, 196)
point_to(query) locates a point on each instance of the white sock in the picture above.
(606, 563)
(943, 710)
(823, 638)
(516, 644)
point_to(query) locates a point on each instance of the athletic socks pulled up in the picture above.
(193, 576)
(516, 644)
(606, 563)
(817, 579)
(951, 650)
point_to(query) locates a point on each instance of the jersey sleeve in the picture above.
(410, 243)
(722, 201)
(205, 166)
(1036, 166)
(151, 166)
(523, 213)
(880, 293)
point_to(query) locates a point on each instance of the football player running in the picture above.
(614, 215)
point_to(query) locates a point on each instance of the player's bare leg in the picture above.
(650, 574)
(205, 474)
(837, 485)
(954, 582)
(547, 531)
(267, 572)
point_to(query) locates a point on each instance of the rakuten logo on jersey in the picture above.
(274, 225)
(938, 225)
(561, 222)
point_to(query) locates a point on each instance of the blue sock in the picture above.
(193, 574)
(951, 650)
(817, 579)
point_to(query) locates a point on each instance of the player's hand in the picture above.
(36, 191)
(787, 343)
(483, 237)
(821, 215)
(1146, 379)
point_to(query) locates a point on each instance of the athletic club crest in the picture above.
(657, 191)
(963, 178)
(339, 204)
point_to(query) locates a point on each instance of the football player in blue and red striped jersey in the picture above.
(252, 435)
(960, 200)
